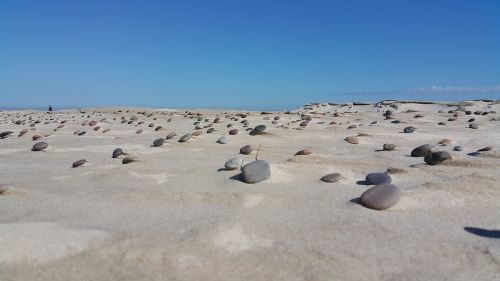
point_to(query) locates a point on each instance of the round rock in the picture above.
(185, 138)
(79, 163)
(421, 151)
(378, 178)
(256, 171)
(381, 197)
(389, 147)
(158, 142)
(117, 152)
(435, 158)
(247, 149)
(39, 146)
(233, 163)
(223, 140)
(335, 177)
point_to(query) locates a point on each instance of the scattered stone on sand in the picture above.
(390, 146)
(171, 135)
(442, 123)
(352, 140)
(258, 130)
(247, 149)
(233, 163)
(223, 140)
(39, 146)
(473, 126)
(185, 137)
(197, 133)
(233, 132)
(158, 142)
(409, 130)
(378, 178)
(118, 152)
(334, 177)
(488, 148)
(421, 151)
(3, 188)
(437, 157)
(445, 142)
(92, 123)
(5, 134)
(381, 197)
(128, 159)
(458, 148)
(256, 171)
(139, 131)
(306, 151)
(79, 163)
(210, 130)
(82, 133)
(36, 137)
(395, 170)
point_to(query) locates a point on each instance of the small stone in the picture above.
(210, 130)
(352, 140)
(445, 142)
(390, 146)
(409, 130)
(421, 151)
(458, 148)
(488, 148)
(259, 129)
(79, 163)
(256, 171)
(128, 159)
(233, 132)
(158, 142)
(381, 197)
(138, 131)
(442, 123)
(473, 126)
(5, 134)
(92, 123)
(171, 135)
(233, 163)
(117, 152)
(335, 177)
(435, 158)
(39, 146)
(245, 150)
(393, 170)
(3, 188)
(185, 138)
(197, 133)
(82, 133)
(378, 178)
(36, 137)
(223, 140)
(306, 151)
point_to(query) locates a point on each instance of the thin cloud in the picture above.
(456, 89)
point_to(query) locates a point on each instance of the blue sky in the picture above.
(245, 53)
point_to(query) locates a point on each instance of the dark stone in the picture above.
(158, 142)
(335, 177)
(381, 197)
(409, 129)
(245, 150)
(117, 152)
(39, 146)
(421, 151)
(79, 163)
(378, 178)
(435, 158)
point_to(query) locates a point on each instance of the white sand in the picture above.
(175, 216)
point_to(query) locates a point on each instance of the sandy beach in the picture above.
(176, 213)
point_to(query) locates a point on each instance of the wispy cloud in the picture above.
(456, 89)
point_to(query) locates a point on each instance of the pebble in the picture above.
(5, 134)
(82, 133)
(394, 170)
(435, 158)
(381, 197)
(158, 142)
(245, 150)
(185, 138)
(79, 163)
(92, 123)
(171, 135)
(139, 131)
(128, 159)
(210, 130)
(233, 132)
(36, 137)
(378, 178)
(473, 126)
(259, 130)
(409, 130)
(223, 140)
(117, 152)
(39, 146)
(256, 171)
(306, 151)
(488, 148)
(445, 142)
(390, 146)
(233, 163)
(458, 148)
(421, 151)
(352, 140)
(335, 177)
(3, 188)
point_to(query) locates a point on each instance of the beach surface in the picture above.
(175, 212)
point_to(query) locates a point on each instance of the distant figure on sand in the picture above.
(50, 107)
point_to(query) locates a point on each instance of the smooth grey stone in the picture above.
(117, 152)
(389, 147)
(421, 151)
(247, 149)
(435, 158)
(458, 148)
(211, 130)
(256, 171)
(409, 130)
(335, 177)
(158, 142)
(79, 163)
(39, 146)
(5, 134)
(233, 163)
(260, 128)
(378, 178)
(223, 140)
(185, 138)
(381, 197)
(171, 135)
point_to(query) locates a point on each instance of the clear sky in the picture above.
(245, 53)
